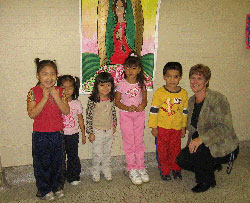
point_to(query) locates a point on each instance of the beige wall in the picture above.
(190, 31)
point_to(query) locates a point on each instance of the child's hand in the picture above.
(54, 92)
(83, 139)
(140, 108)
(183, 132)
(154, 132)
(46, 93)
(91, 138)
(132, 108)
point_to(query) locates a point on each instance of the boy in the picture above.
(167, 118)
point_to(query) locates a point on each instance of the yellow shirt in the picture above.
(169, 109)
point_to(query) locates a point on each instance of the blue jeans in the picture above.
(47, 152)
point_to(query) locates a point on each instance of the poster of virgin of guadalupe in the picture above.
(111, 30)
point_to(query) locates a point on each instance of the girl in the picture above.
(101, 124)
(131, 98)
(46, 104)
(72, 121)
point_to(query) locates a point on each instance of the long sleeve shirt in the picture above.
(169, 109)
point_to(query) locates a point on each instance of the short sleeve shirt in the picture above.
(70, 121)
(131, 94)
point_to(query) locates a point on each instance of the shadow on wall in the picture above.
(2, 176)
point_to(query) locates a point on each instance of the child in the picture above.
(168, 117)
(101, 124)
(131, 99)
(46, 104)
(72, 121)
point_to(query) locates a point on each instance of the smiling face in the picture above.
(47, 77)
(68, 89)
(198, 83)
(172, 78)
(104, 90)
(131, 73)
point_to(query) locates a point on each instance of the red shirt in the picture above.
(50, 118)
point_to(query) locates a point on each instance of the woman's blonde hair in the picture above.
(202, 70)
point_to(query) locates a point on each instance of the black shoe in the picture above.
(177, 175)
(166, 177)
(218, 167)
(202, 187)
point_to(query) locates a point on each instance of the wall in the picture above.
(190, 31)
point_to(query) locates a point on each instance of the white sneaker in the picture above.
(107, 174)
(144, 175)
(96, 177)
(48, 197)
(59, 194)
(76, 182)
(135, 177)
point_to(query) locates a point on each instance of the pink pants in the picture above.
(132, 127)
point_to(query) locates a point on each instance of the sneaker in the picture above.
(144, 175)
(177, 175)
(107, 175)
(135, 177)
(76, 182)
(166, 177)
(59, 194)
(48, 197)
(96, 177)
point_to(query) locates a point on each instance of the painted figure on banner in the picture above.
(120, 30)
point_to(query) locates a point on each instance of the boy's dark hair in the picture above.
(134, 60)
(40, 64)
(172, 66)
(75, 81)
(102, 77)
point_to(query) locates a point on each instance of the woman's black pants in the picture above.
(201, 163)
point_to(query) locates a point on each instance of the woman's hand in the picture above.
(91, 138)
(194, 144)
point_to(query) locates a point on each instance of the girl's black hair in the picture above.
(40, 64)
(102, 77)
(75, 81)
(134, 60)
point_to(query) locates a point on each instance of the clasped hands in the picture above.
(138, 108)
(50, 91)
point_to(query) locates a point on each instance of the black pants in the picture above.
(47, 152)
(73, 166)
(201, 163)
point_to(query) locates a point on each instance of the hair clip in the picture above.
(133, 54)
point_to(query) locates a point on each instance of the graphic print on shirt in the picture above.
(171, 107)
(68, 120)
(133, 92)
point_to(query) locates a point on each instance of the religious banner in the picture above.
(248, 32)
(110, 30)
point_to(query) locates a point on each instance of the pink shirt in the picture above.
(131, 94)
(70, 121)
